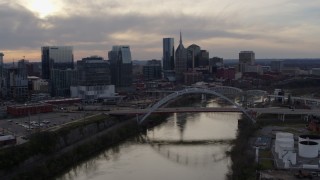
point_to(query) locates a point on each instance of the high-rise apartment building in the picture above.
(56, 57)
(246, 58)
(181, 61)
(121, 66)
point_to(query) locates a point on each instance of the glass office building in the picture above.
(56, 57)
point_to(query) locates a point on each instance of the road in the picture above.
(270, 110)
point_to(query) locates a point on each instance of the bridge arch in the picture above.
(190, 91)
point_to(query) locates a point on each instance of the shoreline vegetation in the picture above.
(243, 166)
(43, 157)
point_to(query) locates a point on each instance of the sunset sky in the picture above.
(272, 29)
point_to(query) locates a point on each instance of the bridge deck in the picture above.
(217, 109)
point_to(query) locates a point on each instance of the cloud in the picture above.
(92, 27)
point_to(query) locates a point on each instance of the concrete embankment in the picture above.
(58, 150)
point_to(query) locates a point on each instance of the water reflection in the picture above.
(187, 146)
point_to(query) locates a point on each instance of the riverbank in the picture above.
(243, 166)
(49, 153)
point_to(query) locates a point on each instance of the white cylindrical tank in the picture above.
(284, 135)
(315, 138)
(308, 149)
(283, 141)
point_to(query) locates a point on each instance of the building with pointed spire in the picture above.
(181, 61)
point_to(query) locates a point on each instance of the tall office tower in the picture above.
(1, 75)
(93, 70)
(246, 58)
(168, 56)
(181, 61)
(276, 66)
(121, 66)
(56, 57)
(204, 58)
(1, 63)
(193, 56)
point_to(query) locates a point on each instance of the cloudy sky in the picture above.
(271, 28)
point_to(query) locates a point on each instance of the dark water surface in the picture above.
(182, 148)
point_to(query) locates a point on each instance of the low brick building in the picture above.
(24, 110)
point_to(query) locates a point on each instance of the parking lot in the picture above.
(23, 126)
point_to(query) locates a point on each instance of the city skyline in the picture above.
(273, 29)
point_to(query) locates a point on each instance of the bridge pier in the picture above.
(203, 97)
(257, 154)
(137, 116)
(281, 117)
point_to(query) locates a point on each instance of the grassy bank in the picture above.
(57, 164)
(42, 156)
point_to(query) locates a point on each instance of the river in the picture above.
(184, 147)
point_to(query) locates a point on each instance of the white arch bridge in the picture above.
(176, 94)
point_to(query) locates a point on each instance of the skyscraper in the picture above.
(94, 80)
(193, 56)
(1, 75)
(17, 83)
(121, 66)
(152, 70)
(276, 66)
(168, 54)
(203, 58)
(181, 61)
(246, 58)
(1, 63)
(93, 71)
(56, 57)
(61, 80)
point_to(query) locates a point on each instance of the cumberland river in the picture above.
(182, 148)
